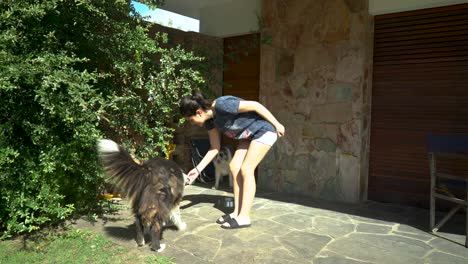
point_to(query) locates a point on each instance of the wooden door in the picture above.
(241, 75)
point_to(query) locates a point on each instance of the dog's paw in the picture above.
(141, 243)
(215, 188)
(182, 226)
(162, 247)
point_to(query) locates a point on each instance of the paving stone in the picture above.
(263, 239)
(202, 247)
(193, 219)
(281, 256)
(380, 248)
(170, 234)
(183, 256)
(443, 258)
(336, 215)
(457, 237)
(325, 253)
(280, 233)
(213, 231)
(286, 200)
(411, 229)
(304, 244)
(385, 212)
(257, 205)
(265, 226)
(296, 221)
(210, 214)
(279, 206)
(450, 247)
(337, 260)
(373, 229)
(372, 220)
(332, 227)
(236, 255)
(263, 246)
(268, 213)
(421, 236)
(233, 242)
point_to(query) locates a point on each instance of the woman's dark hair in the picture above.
(191, 103)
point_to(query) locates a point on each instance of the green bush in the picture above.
(72, 72)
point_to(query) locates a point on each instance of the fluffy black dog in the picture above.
(154, 188)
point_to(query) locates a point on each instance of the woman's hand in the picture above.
(280, 130)
(191, 176)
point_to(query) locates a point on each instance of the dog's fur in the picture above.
(154, 188)
(221, 164)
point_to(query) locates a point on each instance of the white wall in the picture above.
(378, 7)
(237, 17)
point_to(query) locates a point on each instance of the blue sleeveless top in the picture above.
(231, 123)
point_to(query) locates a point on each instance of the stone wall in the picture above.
(316, 69)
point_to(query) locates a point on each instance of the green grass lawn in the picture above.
(73, 246)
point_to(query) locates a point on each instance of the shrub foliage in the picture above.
(73, 71)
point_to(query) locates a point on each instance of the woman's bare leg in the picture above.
(255, 153)
(234, 167)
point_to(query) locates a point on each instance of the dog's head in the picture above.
(224, 155)
(155, 189)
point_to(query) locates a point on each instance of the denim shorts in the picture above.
(268, 138)
(266, 135)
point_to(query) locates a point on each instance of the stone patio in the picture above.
(292, 229)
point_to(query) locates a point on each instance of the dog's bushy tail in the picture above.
(120, 166)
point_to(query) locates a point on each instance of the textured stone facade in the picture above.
(315, 76)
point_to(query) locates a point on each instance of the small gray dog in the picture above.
(221, 164)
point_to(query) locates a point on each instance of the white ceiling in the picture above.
(194, 3)
(191, 8)
(235, 17)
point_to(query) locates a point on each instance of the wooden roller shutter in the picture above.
(420, 86)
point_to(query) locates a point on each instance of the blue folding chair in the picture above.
(447, 147)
